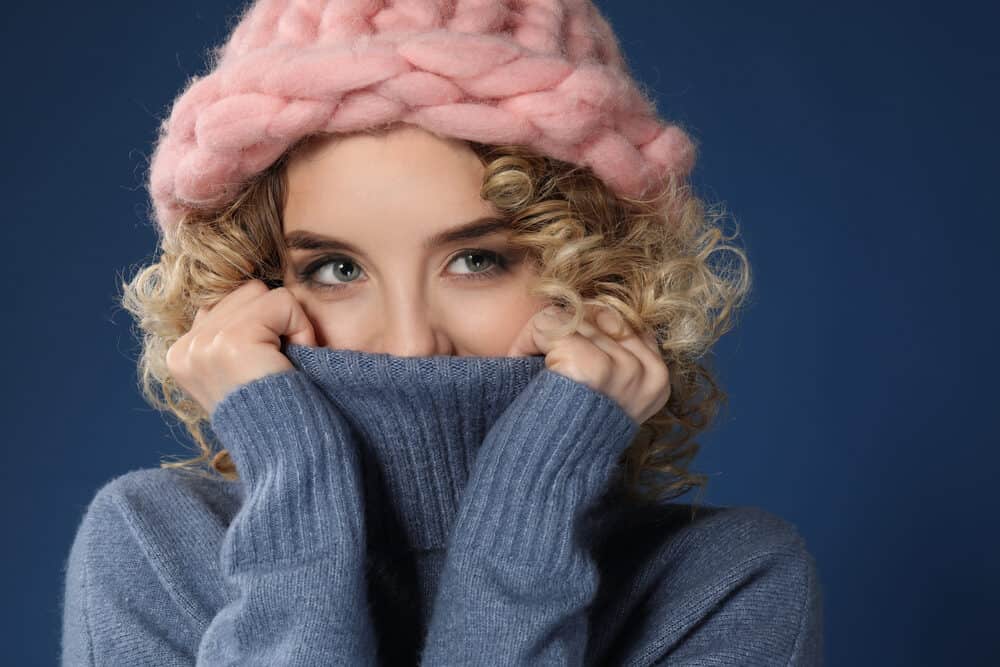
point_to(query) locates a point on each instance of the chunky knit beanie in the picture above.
(547, 74)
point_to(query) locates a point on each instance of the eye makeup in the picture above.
(501, 265)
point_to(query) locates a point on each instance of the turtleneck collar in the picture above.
(419, 422)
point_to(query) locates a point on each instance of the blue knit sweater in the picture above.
(427, 510)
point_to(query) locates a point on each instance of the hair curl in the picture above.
(655, 261)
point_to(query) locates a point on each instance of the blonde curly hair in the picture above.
(654, 261)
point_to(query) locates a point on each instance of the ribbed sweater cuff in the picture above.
(297, 457)
(543, 463)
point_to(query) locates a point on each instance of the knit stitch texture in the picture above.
(548, 74)
(427, 510)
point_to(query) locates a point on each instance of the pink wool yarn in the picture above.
(547, 74)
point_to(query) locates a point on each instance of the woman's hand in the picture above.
(631, 371)
(236, 340)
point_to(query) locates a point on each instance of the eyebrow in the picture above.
(305, 240)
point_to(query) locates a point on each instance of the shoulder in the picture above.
(714, 581)
(146, 533)
(151, 506)
(148, 489)
(749, 548)
(715, 543)
(734, 534)
(706, 533)
(159, 515)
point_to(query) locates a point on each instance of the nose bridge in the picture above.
(407, 327)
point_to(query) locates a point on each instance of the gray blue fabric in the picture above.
(427, 510)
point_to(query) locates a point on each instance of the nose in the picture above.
(409, 331)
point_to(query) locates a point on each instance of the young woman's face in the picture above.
(362, 219)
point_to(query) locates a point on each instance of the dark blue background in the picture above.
(855, 145)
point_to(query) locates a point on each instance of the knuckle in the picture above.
(251, 287)
(228, 347)
(284, 296)
(659, 384)
(601, 367)
(665, 391)
(633, 365)
(223, 342)
(255, 285)
(201, 354)
(279, 294)
(661, 373)
(173, 356)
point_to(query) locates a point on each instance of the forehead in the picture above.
(403, 150)
(405, 181)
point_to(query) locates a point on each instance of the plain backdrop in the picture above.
(855, 145)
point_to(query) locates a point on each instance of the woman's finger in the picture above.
(231, 303)
(644, 347)
(651, 373)
(278, 313)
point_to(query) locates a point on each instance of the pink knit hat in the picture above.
(547, 74)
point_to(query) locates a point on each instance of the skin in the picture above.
(386, 194)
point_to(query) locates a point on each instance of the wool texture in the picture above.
(433, 511)
(547, 74)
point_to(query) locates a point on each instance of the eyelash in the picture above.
(501, 266)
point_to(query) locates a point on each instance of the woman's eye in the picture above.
(475, 259)
(338, 272)
(330, 271)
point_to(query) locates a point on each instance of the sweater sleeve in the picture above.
(295, 551)
(518, 576)
(292, 556)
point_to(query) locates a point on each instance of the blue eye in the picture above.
(344, 267)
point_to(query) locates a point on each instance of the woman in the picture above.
(414, 459)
